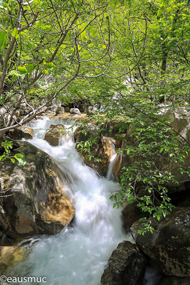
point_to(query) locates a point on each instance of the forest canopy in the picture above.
(94, 49)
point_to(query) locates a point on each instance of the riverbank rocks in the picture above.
(130, 214)
(101, 148)
(60, 110)
(54, 134)
(32, 201)
(9, 255)
(168, 248)
(125, 266)
(75, 111)
(179, 118)
(21, 133)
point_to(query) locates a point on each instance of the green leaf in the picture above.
(49, 65)
(12, 160)
(22, 69)
(3, 39)
(14, 73)
(30, 67)
(15, 33)
(20, 158)
(7, 145)
(2, 99)
(128, 151)
(2, 157)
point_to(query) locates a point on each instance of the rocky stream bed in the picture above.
(56, 218)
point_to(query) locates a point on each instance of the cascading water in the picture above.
(109, 175)
(79, 253)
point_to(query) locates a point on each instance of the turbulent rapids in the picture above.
(79, 253)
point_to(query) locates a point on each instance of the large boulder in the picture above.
(125, 266)
(130, 214)
(32, 199)
(54, 134)
(21, 133)
(168, 248)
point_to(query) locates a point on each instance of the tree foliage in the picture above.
(44, 46)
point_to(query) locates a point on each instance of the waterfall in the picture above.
(109, 175)
(79, 253)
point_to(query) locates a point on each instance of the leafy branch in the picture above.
(8, 145)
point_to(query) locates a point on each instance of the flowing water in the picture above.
(109, 175)
(79, 253)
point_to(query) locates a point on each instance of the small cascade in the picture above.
(152, 276)
(79, 253)
(109, 175)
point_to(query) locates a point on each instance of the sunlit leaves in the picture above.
(8, 145)
(20, 158)
(15, 33)
(3, 39)
(30, 67)
(22, 69)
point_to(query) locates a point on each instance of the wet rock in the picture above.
(32, 199)
(125, 266)
(75, 111)
(9, 255)
(152, 276)
(174, 281)
(117, 165)
(102, 155)
(60, 110)
(21, 133)
(67, 109)
(108, 147)
(53, 136)
(168, 248)
(119, 140)
(84, 133)
(102, 148)
(130, 214)
(3, 111)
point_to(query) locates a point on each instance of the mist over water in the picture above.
(79, 253)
